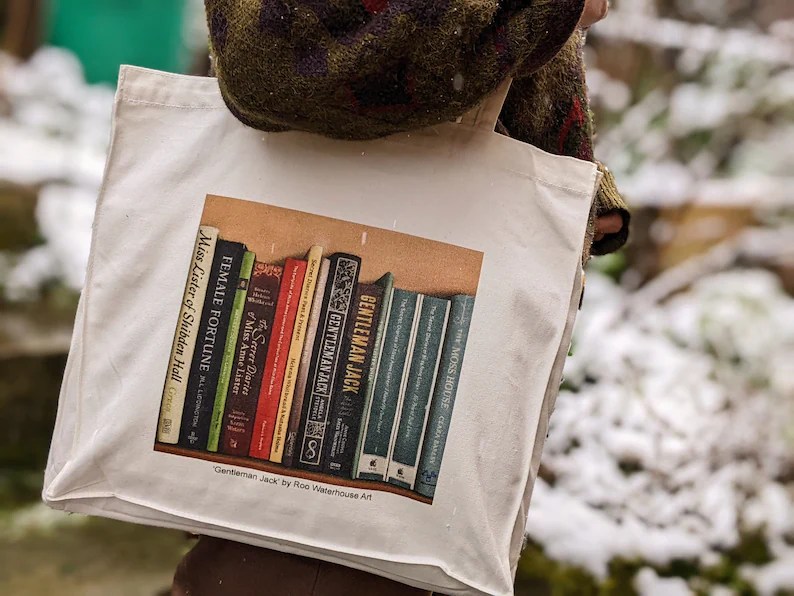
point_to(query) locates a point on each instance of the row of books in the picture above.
(301, 365)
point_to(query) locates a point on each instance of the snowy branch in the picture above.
(678, 35)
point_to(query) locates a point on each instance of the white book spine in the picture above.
(184, 345)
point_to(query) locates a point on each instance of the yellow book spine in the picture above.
(314, 260)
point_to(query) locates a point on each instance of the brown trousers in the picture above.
(216, 567)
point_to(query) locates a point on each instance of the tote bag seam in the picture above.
(523, 510)
(148, 102)
(153, 72)
(72, 367)
(547, 183)
(50, 499)
(426, 132)
(191, 523)
(566, 331)
(429, 131)
(89, 280)
(297, 541)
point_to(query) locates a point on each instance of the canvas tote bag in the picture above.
(343, 350)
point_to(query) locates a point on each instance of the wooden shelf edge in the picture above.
(265, 466)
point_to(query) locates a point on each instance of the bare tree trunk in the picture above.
(22, 32)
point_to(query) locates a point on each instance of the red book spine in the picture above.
(252, 343)
(276, 361)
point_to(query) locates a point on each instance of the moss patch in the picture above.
(18, 228)
(96, 557)
(28, 402)
(538, 575)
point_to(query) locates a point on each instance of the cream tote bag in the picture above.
(343, 350)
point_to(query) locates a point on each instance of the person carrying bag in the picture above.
(331, 292)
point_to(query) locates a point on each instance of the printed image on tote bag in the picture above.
(319, 349)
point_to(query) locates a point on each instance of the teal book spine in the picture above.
(422, 375)
(444, 394)
(387, 282)
(389, 384)
(230, 350)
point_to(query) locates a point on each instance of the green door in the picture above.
(107, 33)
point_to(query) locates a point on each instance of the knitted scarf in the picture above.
(362, 69)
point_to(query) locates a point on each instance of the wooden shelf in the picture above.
(266, 466)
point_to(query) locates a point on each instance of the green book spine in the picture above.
(422, 375)
(389, 384)
(238, 306)
(387, 281)
(444, 395)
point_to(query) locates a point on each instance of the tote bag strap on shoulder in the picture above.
(486, 115)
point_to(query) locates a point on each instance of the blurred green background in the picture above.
(106, 33)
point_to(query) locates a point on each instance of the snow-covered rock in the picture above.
(676, 428)
(647, 583)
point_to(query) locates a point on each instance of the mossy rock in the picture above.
(18, 227)
(538, 575)
(55, 305)
(29, 388)
(91, 556)
(19, 487)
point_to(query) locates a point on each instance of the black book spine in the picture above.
(206, 366)
(326, 356)
(347, 403)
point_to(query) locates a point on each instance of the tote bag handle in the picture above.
(486, 115)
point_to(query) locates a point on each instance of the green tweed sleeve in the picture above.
(550, 109)
(608, 199)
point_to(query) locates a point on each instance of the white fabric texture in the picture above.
(173, 143)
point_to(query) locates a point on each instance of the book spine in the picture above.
(175, 389)
(387, 283)
(444, 394)
(275, 363)
(412, 419)
(348, 399)
(206, 365)
(389, 382)
(229, 351)
(293, 426)
(252, 344)
(313, 261)
(343, 277)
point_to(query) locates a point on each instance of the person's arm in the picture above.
(549, 108)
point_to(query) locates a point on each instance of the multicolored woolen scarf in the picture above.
(362, 69)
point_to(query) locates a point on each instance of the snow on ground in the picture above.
(65, 215)
(677, 431)
(55, 132)
(39, 518)
(774, 578)
(648, 583)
